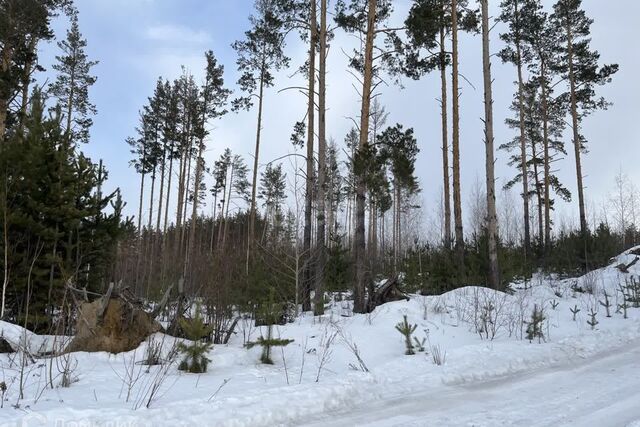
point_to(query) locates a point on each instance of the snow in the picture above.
(575, 376)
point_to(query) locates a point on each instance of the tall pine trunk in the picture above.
(492, 216)
(457, 197)
(6, 57)
(254, 180)
(523, 141)
(322, 160)
(547, 160)
(577, 142)
(308, 196)
(445, 143)
(162, 178)
(359, 301)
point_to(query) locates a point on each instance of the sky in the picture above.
(137, 41)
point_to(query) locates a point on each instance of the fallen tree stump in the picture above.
(114, 323)
(624, 268)
(389, 291)
(5, 347)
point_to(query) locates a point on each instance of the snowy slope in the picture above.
(319, 373)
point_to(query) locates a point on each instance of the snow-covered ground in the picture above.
(576, 375)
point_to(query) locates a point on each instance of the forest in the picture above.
(210, 243)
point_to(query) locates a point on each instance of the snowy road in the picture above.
(598, 392)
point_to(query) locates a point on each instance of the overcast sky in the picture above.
(136, 41)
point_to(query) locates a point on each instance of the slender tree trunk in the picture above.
(322, 166)
(5, 62)
(26, 80)
(457, 198)
(523, 140)
(162, 178)
(140, 203)
(180, 196)
(194, 211)
(492, 216)
(213, 221)
(445, 143)
(254, 181)
(5, 248)
(547, 160)
(153, 183)
(359, 300)
(577, 141)
(228, 203)
(309, 179)
(166, 209)
(72, 84)
(183, 234)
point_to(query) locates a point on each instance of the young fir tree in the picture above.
(195, 358)
(260, 54)
(55, 223)
(579, 67)
(270, 313)
(72, 84)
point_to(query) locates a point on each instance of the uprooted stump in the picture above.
(5, 347)
(111, 323)
(389, 291)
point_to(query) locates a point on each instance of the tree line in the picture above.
(314, 221)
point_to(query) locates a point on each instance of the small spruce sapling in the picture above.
(534, 327)
(270, 311)
(606, 303)
(267, 343)
(194, 359)
(633, 291)
(592, 321)
(554, 304)
(623, 306)
(407, 329)
(575, 310)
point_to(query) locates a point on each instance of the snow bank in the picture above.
(319, 372)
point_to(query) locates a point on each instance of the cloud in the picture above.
(175, 34)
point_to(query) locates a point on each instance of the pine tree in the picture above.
(72, 84)
(492, 216)
(517, 14)
(400, 150)
(272, 191)
(23, 25)
(367, 19)
(428, 24)
(544, 128)
(213, 99)
(579, 65)
(260, 54)
(56, 223)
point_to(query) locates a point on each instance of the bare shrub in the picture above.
(353, 348)
(325, 352)
(438, 355)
